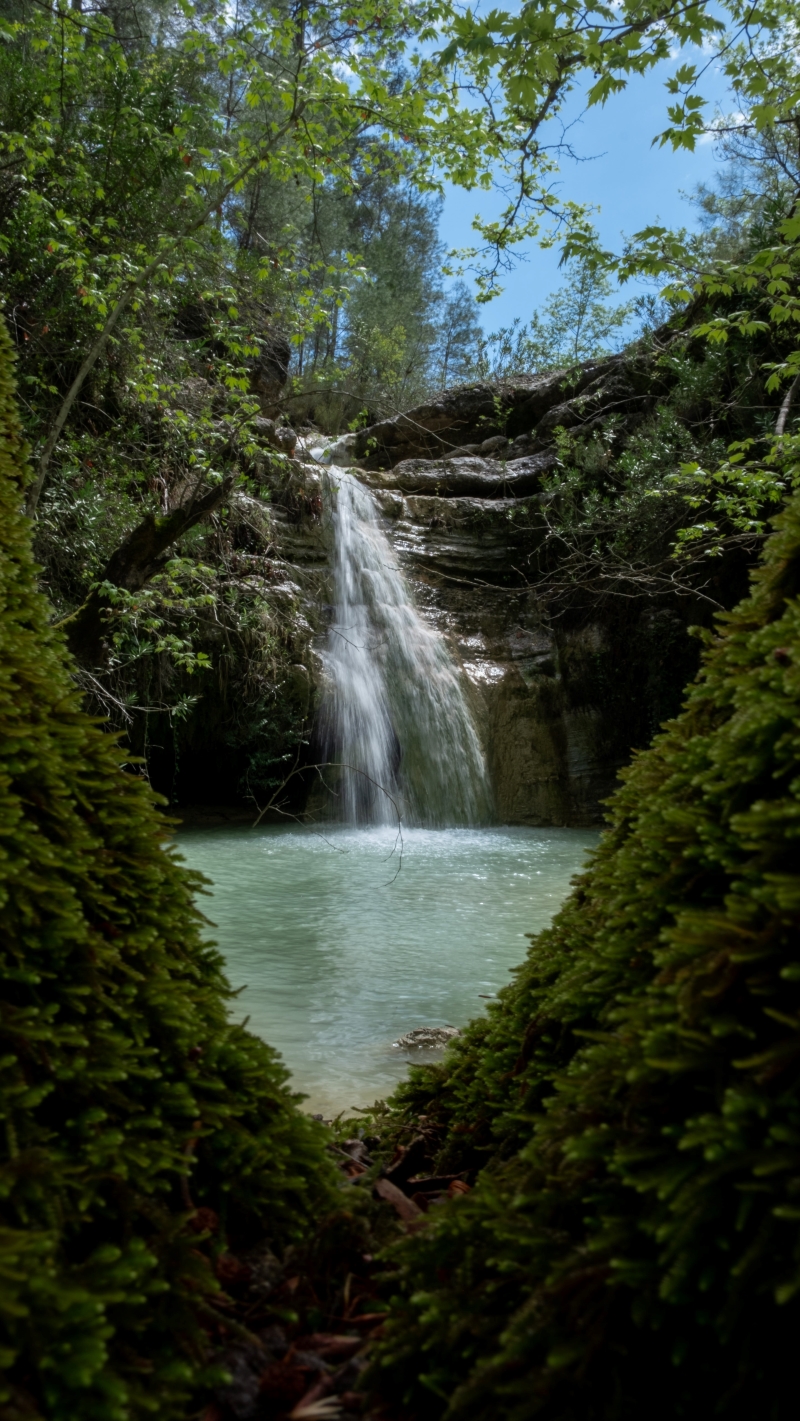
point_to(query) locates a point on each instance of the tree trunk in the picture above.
(135, 561)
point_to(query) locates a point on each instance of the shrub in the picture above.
(123, 1084)
(632, 1245)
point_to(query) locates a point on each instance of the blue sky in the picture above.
(631, 182)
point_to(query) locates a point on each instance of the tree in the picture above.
(519, 67)
(122, 157)
(458, 338)
(377, 350)
(576, 323)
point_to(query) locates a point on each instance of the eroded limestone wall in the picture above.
(561, 692)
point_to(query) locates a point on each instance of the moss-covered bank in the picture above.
(126, 1097)
(632, 1101)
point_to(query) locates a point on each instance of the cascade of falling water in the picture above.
(395, 714)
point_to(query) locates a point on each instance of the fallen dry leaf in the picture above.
(431, 1184)
(284, 1384)
(329, 1344)
(326, 1407)
(363, 1320)
(204, 1221)
(354, 1169)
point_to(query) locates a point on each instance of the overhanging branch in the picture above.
(139, 558)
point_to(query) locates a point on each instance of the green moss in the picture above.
(632, 1246)
(120, 1074)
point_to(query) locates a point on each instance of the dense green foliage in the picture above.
(309, 289)
(666, 482)
(632, 1246)
(116, 128)
(124, 1086)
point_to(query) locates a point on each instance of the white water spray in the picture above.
(395, 716)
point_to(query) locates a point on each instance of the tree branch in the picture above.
(134, 285)
(783, 413)
(134, 563)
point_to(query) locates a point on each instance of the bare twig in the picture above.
(783, 413)
(272, 806)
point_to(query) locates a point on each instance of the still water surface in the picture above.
(339, 953)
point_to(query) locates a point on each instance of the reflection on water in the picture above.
(339, 953)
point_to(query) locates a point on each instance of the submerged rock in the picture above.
(430, 1036)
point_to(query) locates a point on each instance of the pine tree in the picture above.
(120, 1072)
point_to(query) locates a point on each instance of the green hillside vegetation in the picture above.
(633, 1099)
(127, 1097)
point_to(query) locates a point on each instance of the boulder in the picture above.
(427, 1036)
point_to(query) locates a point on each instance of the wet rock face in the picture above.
(551, 753)
(543, 736)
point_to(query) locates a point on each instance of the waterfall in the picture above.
(395, 715)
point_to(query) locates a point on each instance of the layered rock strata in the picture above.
(560, 699)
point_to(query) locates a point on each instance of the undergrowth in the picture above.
(141, 1130)
(632, 1101)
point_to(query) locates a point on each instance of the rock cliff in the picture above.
(563, 687)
